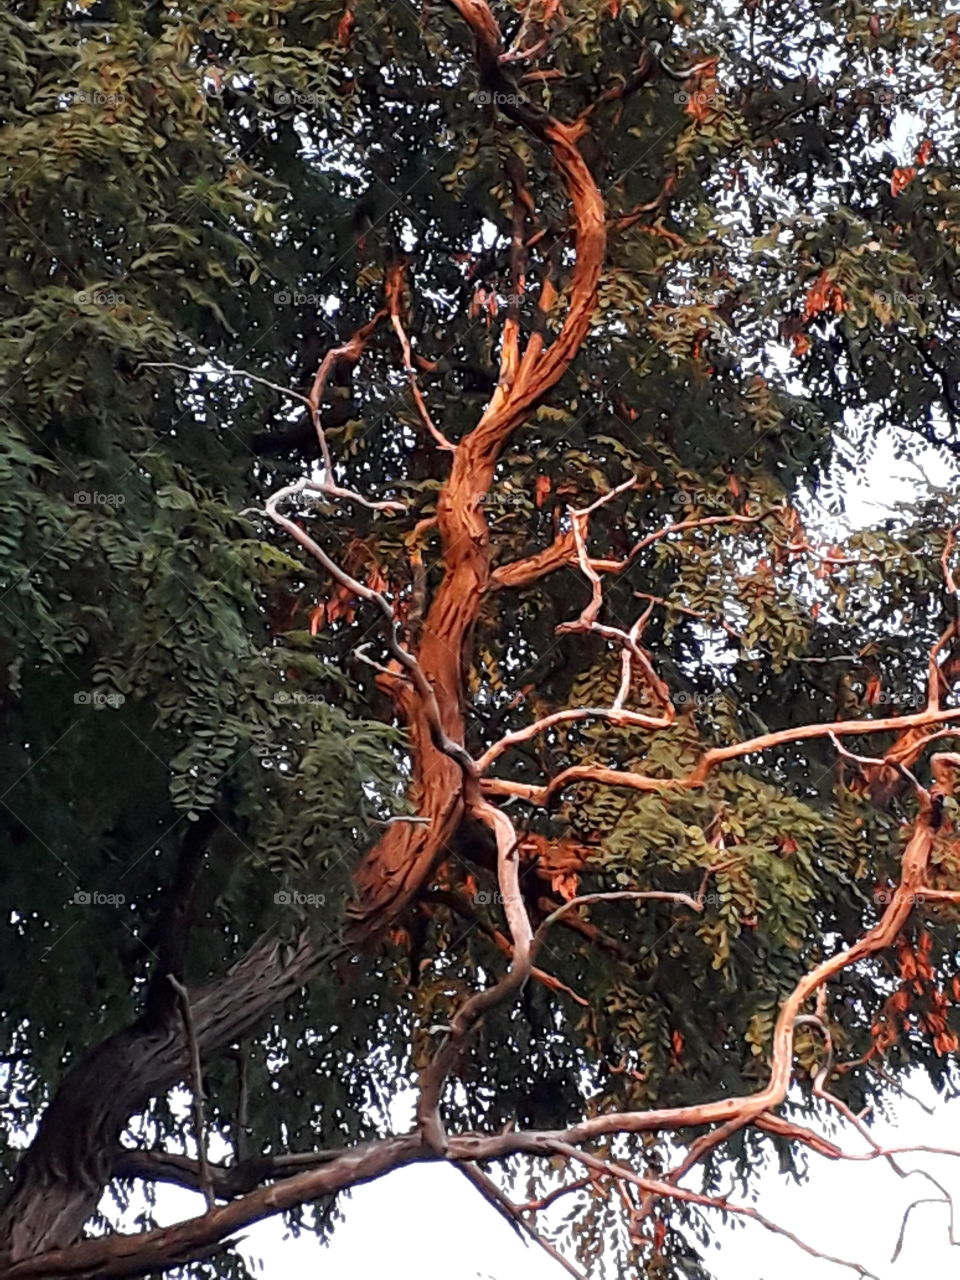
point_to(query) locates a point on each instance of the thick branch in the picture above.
(400, 863)
(62, 1175)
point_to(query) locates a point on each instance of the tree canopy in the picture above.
(433, 655)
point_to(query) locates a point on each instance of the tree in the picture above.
(419, 666)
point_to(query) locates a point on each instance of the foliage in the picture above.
(191, 194)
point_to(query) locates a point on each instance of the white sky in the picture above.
(427, 1223)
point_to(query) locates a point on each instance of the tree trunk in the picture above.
(62, 1176)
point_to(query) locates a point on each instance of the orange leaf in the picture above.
(344, 27)
(375, 579)
(816, 299)
(565, 884)
(924, 151)
(541, 490)
(823, 295)
(901, 178)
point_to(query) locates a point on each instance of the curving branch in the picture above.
(398, 866)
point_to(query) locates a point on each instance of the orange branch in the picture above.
(394, 291)
(399, 864)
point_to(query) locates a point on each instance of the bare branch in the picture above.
(196, 1080)
(513, 1213)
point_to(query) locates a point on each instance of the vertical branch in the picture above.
(199, 1118)
(522, 206)
(394, 291)
(397, 866)
(468, 1016)
(243, 1102)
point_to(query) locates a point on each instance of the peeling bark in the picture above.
(400, 864)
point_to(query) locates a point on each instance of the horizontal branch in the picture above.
(546, 793)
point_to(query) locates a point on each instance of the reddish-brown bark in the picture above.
(402, 860)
